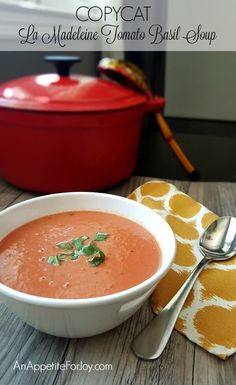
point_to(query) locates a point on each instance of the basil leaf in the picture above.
(98, 258)
(100, 236)
(66, 252)
(65, 245)
(61, 257)
(101, 255)
(89, 249)
(77, 243)
(53, 260)
(75, 255)
(96, 262)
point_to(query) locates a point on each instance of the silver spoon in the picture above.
(218, 243)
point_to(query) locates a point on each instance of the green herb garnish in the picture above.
(65, 245)
(100, 236)
(53, 260)
(75, 255)
(97, 258)
(89, 249)
(66, 252)
(77, 243)
(56, 260)
(62, 257)
(76, 247)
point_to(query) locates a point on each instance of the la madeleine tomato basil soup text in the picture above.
(78, 254)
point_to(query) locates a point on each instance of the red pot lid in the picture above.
(63, 93)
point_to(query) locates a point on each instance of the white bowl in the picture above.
(85, 317)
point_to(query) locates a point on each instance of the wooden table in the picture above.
(182, 362)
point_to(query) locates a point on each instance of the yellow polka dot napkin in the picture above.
(208, 317)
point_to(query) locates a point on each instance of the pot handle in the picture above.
(155, 104)
(63, 64)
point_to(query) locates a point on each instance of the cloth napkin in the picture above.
(208, 317)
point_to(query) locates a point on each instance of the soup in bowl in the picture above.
(79, 264)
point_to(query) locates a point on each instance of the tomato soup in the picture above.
(78, 254)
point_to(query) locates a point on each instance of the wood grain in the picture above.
(182, 363)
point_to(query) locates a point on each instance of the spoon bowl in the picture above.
(219, 239)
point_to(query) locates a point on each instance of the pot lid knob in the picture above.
(63, 64)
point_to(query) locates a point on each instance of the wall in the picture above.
(16, 64)
(62, 5)
(200, 89)
(201, 85)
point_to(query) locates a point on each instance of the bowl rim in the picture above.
(102, 300)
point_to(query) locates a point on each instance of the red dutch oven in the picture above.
(62, 132)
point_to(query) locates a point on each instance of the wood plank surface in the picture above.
(182, 362)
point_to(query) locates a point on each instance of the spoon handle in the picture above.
(150, 343)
